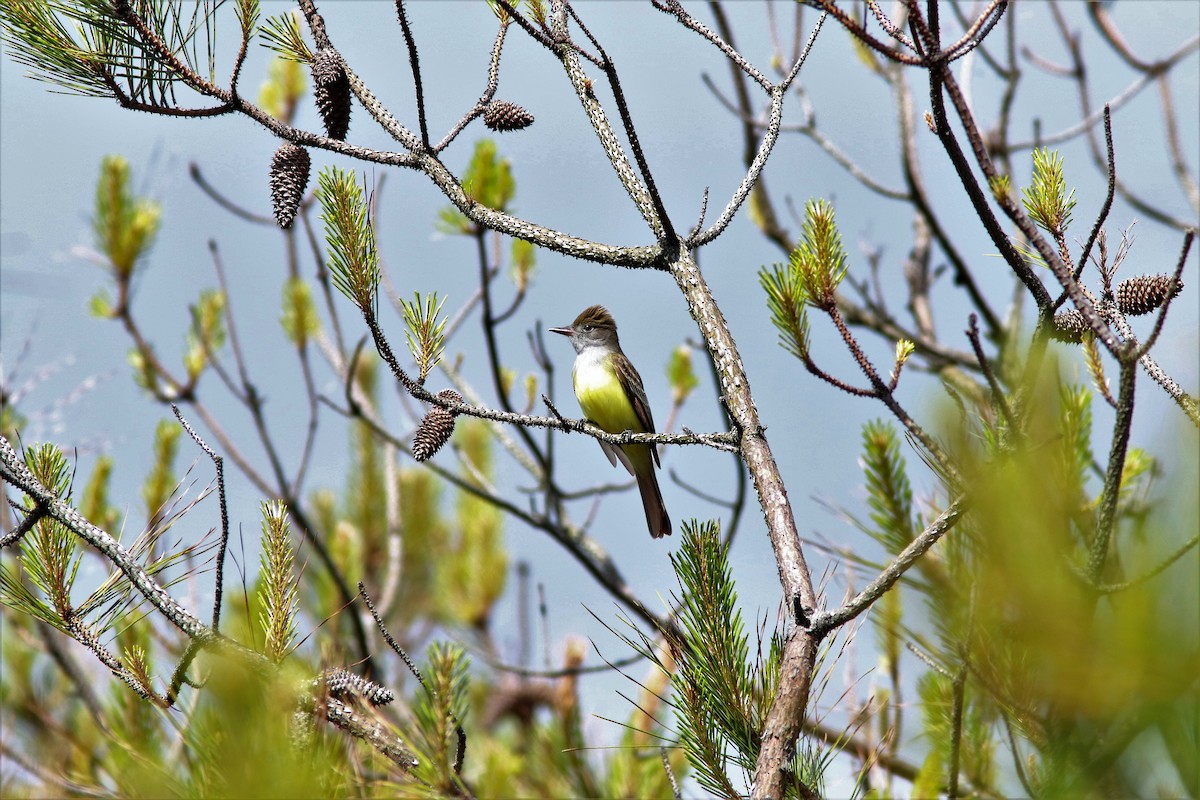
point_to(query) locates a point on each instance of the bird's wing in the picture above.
(630, 378)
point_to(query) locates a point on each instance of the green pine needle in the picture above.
(48, 552)
(277, 594)
(248, 13)
(282, 34)
(787, 302)
(715, 682)
(889, 493)
(425, 331)
(1047, 200)
(819, 258)
(439, 711)
(349, 237)
(38, 36)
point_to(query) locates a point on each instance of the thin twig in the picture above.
(986, 368)
(219, 466)
(460, 752)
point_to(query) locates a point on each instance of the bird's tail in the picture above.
(656, 513)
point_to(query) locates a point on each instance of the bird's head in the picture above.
(594, 327)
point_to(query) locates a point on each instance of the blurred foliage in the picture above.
(1087, 683)
(285, 85)
(488, 181)
(299, 319)
(125, 226)
(680, 374)
(160, 481)
(249, 733)
(524, 261)
(207, 334)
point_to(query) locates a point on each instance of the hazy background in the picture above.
(81, 395)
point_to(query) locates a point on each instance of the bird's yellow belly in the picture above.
(604, 402)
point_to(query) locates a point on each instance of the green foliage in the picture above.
(487, 181)
(424, 331)
(48, 552)
(904, 351)
(682, 378)
(144, 374)
(207, 334)
(531, 391)
(100, 305)
(1001, 186)
(934, 690)
(349, 237)
(278, 589)
(537, 11)
(815, 267)
(1071, 669)
(44, 37)
(723, 698)
(423, 544)
(244, 743)
(788, 306)
(523, 259)
(889, 494)
(248, 13)
(160, 480)
(1075, 447)
(94, 504)
(299, 320)
(124, 225)
(819, 257)
(635, 767)
(1047, 200)
(471, 571)
(976, 748)
(439, 710)
(282, 34)
(283, 88)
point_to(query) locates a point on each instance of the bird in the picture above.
(611, 394)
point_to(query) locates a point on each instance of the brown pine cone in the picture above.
(1143, 294)
(1069, 326)
(289, 178)
(502, 116)
(436, 428)
(331, 89)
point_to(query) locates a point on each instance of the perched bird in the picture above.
(610, 393)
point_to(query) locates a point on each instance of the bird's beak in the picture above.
(564, 331)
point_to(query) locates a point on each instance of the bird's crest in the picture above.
(596, 316)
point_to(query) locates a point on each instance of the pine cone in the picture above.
(502, 116)
(1143, 294)
(289, 178)
(436, 428)
(1069, 326)
(344, 684)
(331, 89)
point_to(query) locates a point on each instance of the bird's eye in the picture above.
(588, 327)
